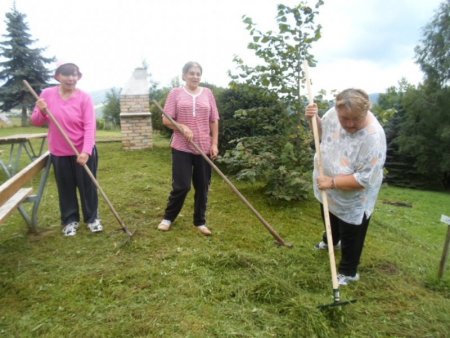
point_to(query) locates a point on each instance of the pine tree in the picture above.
(21, 63)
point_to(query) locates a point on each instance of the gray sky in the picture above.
(365, 43)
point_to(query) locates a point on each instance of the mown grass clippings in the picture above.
(236, 283)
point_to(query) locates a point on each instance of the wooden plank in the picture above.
(11, 186)
(13, 202)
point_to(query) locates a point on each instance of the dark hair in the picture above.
(189, 65)
(68, 69)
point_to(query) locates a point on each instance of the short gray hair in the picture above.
(354, 100)
(189, 65)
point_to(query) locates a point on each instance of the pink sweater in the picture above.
(76, 116)
(197, 112)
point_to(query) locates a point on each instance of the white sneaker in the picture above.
(164, 225)
(70, 229)
(324, 246)
(344, 280)
(95, 226)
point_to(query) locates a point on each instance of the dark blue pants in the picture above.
(187, 167)
(71, 176)
(352, 239)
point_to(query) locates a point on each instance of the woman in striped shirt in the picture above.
(194, 109)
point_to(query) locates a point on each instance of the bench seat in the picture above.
(16, 191)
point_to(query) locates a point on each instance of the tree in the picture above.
(111, 108)
(159, 95)
(21, 63)
(433, 55)
(390, 111)
(418, 133)
(425, 130)
(240, 97)
(282, 53)
(275, 146)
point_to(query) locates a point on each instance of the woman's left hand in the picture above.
(82, 159)
(214, 151)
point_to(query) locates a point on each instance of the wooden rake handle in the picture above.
(323, 192)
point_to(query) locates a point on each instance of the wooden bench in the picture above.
(16, 191)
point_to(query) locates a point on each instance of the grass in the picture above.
(237, 283)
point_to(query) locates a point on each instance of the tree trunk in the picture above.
(24, 116)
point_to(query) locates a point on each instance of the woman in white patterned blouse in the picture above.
(353, 152)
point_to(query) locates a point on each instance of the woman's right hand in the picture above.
(42, 105)
(187, 132)
(311, 111)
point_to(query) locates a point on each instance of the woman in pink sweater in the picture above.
(74, 110)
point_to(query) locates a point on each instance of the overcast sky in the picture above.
(365, 43)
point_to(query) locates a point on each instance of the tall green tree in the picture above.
(276, 146)
(390, 110)
(111, 107)
(433, 53)
(21, 62)
(425, 131)
(282, 53)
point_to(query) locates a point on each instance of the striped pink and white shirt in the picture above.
(194, 111)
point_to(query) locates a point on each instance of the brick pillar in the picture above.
(135, 116)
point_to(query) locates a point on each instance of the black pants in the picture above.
(187, 166)
(71, 176)
(352, 239)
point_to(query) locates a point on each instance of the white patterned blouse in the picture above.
(361, 154)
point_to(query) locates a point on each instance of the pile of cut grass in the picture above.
(237, 283)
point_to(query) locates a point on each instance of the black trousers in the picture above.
(187, 167)
(71, 176)
(352, 239)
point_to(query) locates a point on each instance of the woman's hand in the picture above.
(42, 105)
(325, 182)
(82, 159)
(311, 111)
(187, 132)
(214, 151)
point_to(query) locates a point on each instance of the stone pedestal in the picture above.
(136, 130)
(135, 116)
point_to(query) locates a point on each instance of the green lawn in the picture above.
(237, 283)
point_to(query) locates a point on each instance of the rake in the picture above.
(336, 293)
